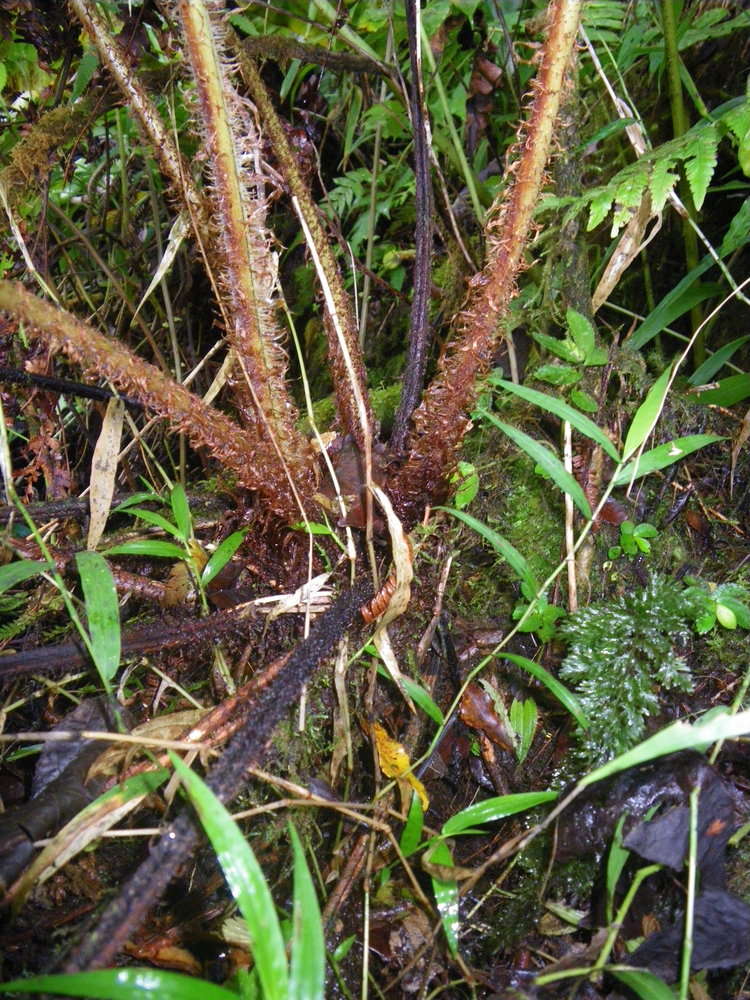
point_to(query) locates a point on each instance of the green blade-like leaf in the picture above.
(646, 415)
(679, 736)
(645, 984)
(246, 882)
(102, 612)
(158, 520)
(681, 299)
(411, 834)
(146, 496)
(716, 361)
(15, 573)
(662, 456)
(181, 511)
(493, 809)
(547, 460)
(122, 984)
(581, 331)
(501, 545)
(147, 547)
(417, 694)
(308, 966)
(727, 391)
(563, 411)
(222, 555)
(446, 894)
(553, 685)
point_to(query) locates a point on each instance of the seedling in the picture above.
(634, 540)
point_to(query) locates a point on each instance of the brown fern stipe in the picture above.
(204, 426)
(441, 420)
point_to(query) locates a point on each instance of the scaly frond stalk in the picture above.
(248, 274)
(441, 420)
(204, 426)
(345, 402)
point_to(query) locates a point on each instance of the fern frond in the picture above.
(243, 244)
(204, 426)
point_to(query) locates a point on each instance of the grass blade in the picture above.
(679, 736)
(553, 685)
(102, 612)
(122, 984)
(549, 462)
(307, 973)
(662, 456)
(562, 410)
(246, 882)
(147, 547)
(646, 415)
(15, 573)
(501, 545)
(493, 809)
(181, 510)
(222, 555)
(446, 893)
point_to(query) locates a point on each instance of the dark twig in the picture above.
(420, 335)
(62, 385)
(247, 749)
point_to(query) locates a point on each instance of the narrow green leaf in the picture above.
(583, 401)
(312, 528)
(102, 612)
(523, 718)
(662, 456)
(616, 861)
(493, 809)
(147, 547)
(16, 572)
(308, 966)
(646, 415)
(566, 350)
(446, 894)
(645, 984)
(147, 496)
(716, 361)
(122, 984)
(553, 685)
(222, 555)
(503, 547)
(729, 391)
(181, 511)
(158, 520)
(549, 462)
(563, 411)
(411, 834)
(679, 736)
(246, 882)
(415, 691)
(681, 299)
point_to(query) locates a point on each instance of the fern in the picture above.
(658, 171)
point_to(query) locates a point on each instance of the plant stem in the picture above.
(680, 125)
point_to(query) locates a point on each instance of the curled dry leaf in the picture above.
(394, 762)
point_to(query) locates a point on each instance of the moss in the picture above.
(384, 402)
(621, 653)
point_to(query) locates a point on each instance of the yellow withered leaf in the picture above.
(394, 762)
